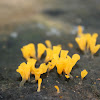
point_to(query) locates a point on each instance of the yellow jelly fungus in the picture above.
(38, 71)
(40, 50)
(80, 30)
(31, 62)
(39, 84)
(93, 47)
(55, 56)
(67, 76)
(75, 58)
(88, 36)
(70, 45)
(95, 35)
(63, 53)
(56, 50)
(24, 71)
(51, 65)
(83, 73)
(77, 76)
(58, 91)
(70, 62)
(60, 65)
(81, 41)
(53, 62)
(49, 55)
(48, 43)
(28, 51)
(59, 45)
(88, 41)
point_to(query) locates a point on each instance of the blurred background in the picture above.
(61, 14)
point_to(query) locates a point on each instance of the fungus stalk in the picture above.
(39, 84)
(92, 56)
(22, 82)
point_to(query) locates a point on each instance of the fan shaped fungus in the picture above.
(41, 49)
(24, 70)
(28, 51)
(49, 55)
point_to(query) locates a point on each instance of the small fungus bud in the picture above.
(58, 91)
(70, 45)
(83, 73)
(48, 43)
(67, 76)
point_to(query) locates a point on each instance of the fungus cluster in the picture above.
(55, 57)
(87, 42)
